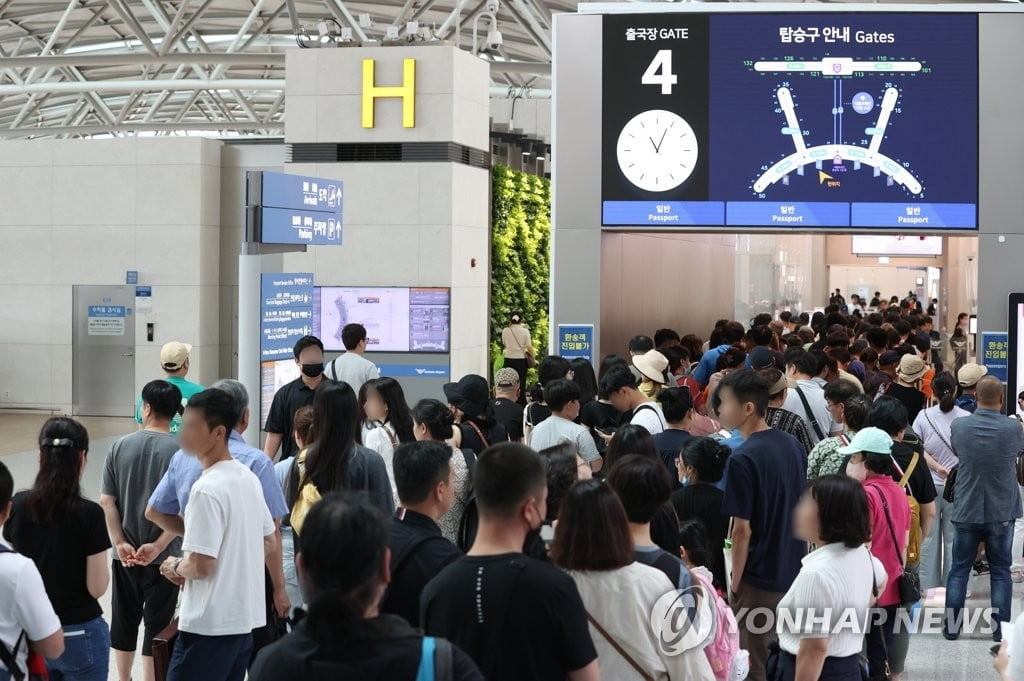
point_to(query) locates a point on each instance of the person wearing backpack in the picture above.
(28, 623)
(343, 566)
(433, 421)
(821, 616)
(426, 490)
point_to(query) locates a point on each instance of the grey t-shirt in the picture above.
(133, 469)
(554, 430)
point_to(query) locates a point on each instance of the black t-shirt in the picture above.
(493, 431)
(704, 503)
(388, 650)
(518, 618)
(921, 485)
(912, 398)
(537, 413)
(510, 415)
(59, 549)
(413, 567)
(669, 443)
(765, 477)
(286, 402)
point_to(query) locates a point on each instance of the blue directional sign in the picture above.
(297, 226)
(298, 191)
(286, 313)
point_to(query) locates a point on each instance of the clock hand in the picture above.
(657, 148)
(653, 144)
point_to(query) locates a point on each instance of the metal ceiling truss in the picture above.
(71, 68)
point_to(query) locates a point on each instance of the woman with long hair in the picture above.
(433, 420)
(66, 536)
(383, 401)
(343, 569)
(934, 426)
(517, 347)
(623, 597)
(335, 461)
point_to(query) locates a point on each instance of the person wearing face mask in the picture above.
(309, 356)
(700, 465)
(871, 463)
(518, 618)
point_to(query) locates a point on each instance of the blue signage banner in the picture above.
(281, 190)
(575, 340)
(108, 311)
(993, 353)
(286, 313)
(414, 370)
(297, 226)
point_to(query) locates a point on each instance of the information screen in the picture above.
(832, 120)
(899, 246)
(397, 319)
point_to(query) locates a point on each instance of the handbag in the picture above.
(909, 584)
(948, 490)
(646, 676)
(531, 361)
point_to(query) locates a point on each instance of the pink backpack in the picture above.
(728, 661)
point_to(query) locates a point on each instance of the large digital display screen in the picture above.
(898, 246)
(397, 319)
(800, 120)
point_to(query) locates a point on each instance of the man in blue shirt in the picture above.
(167, 504)
(986, 505)
(732, 333)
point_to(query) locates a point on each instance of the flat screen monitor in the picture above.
(972, 325)
(1014, 358)
(813, 121)
(897, 246)
(397, 319)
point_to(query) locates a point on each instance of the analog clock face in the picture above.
(657, 150)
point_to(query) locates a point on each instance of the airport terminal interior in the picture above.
(511, 340)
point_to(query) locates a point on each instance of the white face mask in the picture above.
(857, 471)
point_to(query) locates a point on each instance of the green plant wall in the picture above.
(520, 254)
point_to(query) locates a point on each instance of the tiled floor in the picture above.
(931, 657)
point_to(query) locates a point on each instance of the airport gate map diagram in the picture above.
(813, 120)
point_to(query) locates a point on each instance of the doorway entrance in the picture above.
(103, 352)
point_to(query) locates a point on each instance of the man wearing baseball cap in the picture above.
(507, 410)
(174, 360)
(968, 378)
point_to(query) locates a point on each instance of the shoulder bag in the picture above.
(810, 413)
(619, 649)
(910, 591)
(531, 361)
(949, 489)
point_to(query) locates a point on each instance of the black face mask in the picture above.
(313, 370)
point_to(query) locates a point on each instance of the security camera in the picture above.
(970, 258)
(494, 39)
(492, 7)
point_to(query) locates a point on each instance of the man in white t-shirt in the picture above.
(563, 398)
(801, 369)
(619, 386)
(27, 619)
(228, 532)
(352, 367)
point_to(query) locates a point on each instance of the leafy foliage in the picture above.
(520, 254)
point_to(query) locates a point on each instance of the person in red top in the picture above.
(871, 462)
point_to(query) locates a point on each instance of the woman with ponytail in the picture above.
(700, 465)
(433, 420)
(343, 568)
(933, 425)
(66, 536)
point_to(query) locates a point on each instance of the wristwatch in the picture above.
(174, 568)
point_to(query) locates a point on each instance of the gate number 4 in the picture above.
(659, 72)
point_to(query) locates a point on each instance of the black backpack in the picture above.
(471, 515)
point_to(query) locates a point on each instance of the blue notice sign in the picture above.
(993, 353)
(414, 371)
(575, 340)
(664, 213)
(297, 226)
(286, 313)
(281, 190)
(131, 277)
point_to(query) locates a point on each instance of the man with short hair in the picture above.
(352, 367)
(807, 398)
(666, 338)
(133, 469)
(888, 362)
(620, 388)
(27, 619)
(506, 407)
(309, 356)
(228, 532)
(175, 362)
(732, 333)
(986, 505)
(171, 498)
(563, 398)
(968, 378)
(518, 618)
(765, 477)
(425, 481)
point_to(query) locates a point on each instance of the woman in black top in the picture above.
(66, 536)
(471, 403)
(343, 567)
(700, 465)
